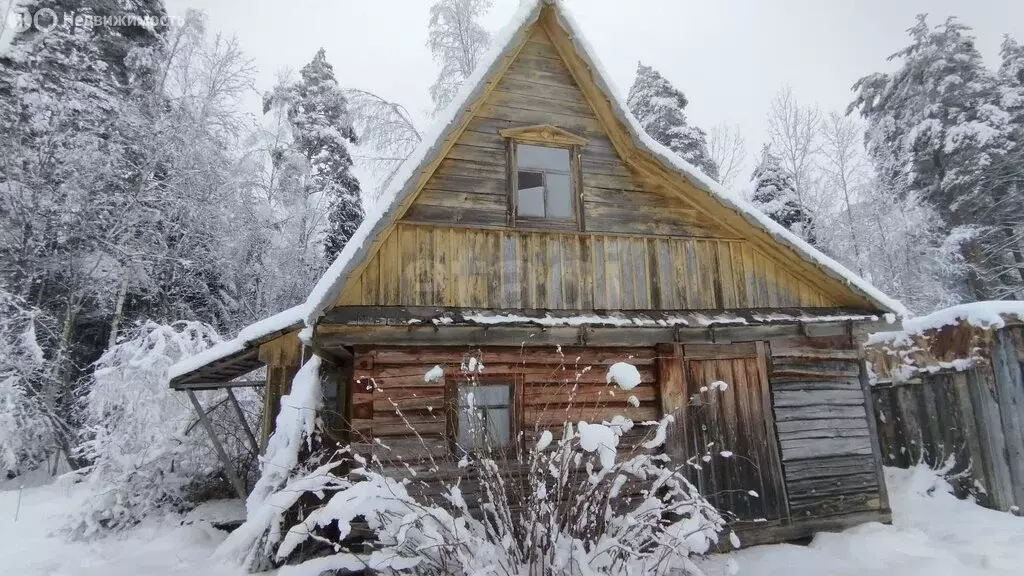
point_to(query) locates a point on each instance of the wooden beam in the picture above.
(229, 468)
(253, 444)
(217, 384)
(876, 449)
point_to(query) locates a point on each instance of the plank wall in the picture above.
(828, 456)
(463, 267)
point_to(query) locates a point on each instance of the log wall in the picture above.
(552, 387)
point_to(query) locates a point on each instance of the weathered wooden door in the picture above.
(727, 428)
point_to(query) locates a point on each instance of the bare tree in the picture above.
(457, 41)
(794, 134)
(845, 167)
(728, 149)
(386, 131)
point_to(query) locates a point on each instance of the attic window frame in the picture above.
(551, 137)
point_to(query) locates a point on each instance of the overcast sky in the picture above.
(729, 57)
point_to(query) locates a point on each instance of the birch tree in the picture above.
(457, 41)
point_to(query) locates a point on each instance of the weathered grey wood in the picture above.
(765, 533)
(817, 447)
(836, 505)
(794, 398)
(229, 468)
(876, 450)
(782, 384)
(980, 468)
(1010, 392)
(836, 424)
(826, 433)
(818, 412)
(989, 423)
(845, 484)
(829, 466)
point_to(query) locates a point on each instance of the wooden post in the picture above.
(282, 357)
(672, 388)
(229, 467)
(245, 424)
(876, 448)
(1010, 396)
(980, 382)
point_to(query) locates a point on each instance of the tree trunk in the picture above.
(122, 293)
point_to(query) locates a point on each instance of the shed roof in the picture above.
(233, 358)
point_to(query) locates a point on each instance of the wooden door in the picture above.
(729, 431)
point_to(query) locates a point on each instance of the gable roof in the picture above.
(452, 121)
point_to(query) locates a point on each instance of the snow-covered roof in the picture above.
(988, 314)
(246, 337)
(404, 183)
(439, 317)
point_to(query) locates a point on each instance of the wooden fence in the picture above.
(969, 424)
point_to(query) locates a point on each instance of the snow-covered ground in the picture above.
(933, 534)
(169, 545)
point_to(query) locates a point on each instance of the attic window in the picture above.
(543, 182)
(543, 177)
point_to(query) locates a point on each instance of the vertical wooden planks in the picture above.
(555, 272)
(388, 261)
(599, 264)
(425, 269)
(432, 266)
(510, 273)
(495, 270)
(1010, 394)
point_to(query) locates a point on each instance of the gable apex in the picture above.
(631, 143)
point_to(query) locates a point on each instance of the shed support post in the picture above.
(229, 468)
(253, 444)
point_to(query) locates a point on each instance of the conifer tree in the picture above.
(775, 195)
(660, 108)
(936, 128)
(322, 130)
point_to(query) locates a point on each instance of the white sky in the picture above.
(729, 57)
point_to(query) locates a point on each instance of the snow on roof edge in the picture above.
(676, 163)
(245, 337)
(378, 218)
(987, 314)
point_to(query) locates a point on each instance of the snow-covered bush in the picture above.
(570, 502)
(28, 379)
(141, 438)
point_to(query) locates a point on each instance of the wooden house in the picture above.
(540, 231)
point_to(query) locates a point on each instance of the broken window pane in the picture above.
(531, 194)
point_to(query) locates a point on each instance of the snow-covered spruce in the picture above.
(28, 383)
(629, 511)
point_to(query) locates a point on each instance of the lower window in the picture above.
(485, 419)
